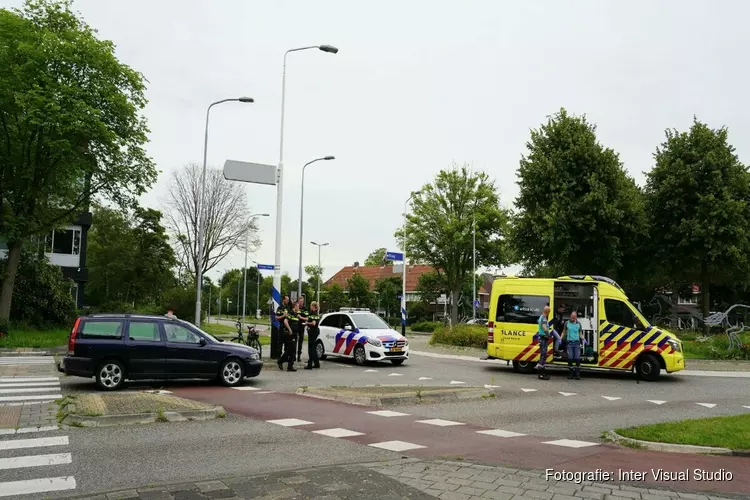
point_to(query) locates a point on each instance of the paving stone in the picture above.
(445, 487)
(598, 489)
(663, 492)
(507, 482)
(509, 489)
(219, 493)
(591, 495)
(469, 491)
(181, 487)
(461, 482)
(559, 496)
(412, 475)
(452, 495)
(651, 496)
(542, 495)
(122, 495)
(188, 495)
(463, 473)
(211, 486)
(692, 496)
(433, 477)
(484, 486)
(616, 497)
(498, 495)
(535, 485)
(630, 494)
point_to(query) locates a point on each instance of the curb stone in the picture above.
(73, 420)
(380, 401)
(675, 448)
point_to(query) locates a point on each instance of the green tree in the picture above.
(377, 258)
(334, 297)
(439, 229)
(430, 286)
(359, 292)
(72, 127)
(389, 290)
(314, 279)
(698, 198)
(577, 210)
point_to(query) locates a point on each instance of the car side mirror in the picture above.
(348, 328)
(202, 341)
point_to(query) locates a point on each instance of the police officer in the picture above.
(313, 331)
(287, 331)
(302, 317)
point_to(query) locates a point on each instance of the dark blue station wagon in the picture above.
(116, 347)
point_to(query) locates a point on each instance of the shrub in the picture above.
(461, 335)
(425, 326)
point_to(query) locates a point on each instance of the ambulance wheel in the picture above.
(648, 367)
(524, 366)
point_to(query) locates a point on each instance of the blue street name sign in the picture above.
(394, 256)
(266, 267)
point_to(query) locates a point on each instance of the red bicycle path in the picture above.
(530, 452)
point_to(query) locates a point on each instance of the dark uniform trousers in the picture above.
(312, 351)
(288, 339)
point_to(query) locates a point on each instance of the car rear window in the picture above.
(102, 329)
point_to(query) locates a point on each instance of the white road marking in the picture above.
(486, 386)
(18, 444)
(47, 428)
(707, 405)
(439, 422)
(371, 371)
(700, 373)
(35, 461)
(41, 401)
(246, 388)
(396, 446)
(289, 422)
(395, 374)
(26, 360)
(338, 432)
(528, 390)
(656, 401)
(264, 392)
(457, 382)
(29, 390)
(501, 433)
(568, 393)
(51, 397)
(29, 379)
(388, 413)
(26, 487)
(748, 407)
(5, 432)
(610, 398)
(8, 385)
(570, 443)
(425, 378)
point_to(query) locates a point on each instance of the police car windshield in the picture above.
(369, 322)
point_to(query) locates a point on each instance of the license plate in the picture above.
(395, 349)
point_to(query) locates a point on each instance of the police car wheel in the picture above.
(524, 366)
(648, 367)
(320, 350)
(360, 357)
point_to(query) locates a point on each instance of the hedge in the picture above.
(461, 335)
(425, 326)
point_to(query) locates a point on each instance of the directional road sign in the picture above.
(265, 267)
(394, 256)
(256, 173)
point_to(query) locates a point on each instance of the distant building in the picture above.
(66, 248)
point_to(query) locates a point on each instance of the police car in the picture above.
(362, 335)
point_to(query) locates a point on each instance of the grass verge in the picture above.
(28, 338)
(724, 432)
(461, 335)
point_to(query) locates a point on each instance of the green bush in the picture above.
(425, 326)
(461, 335)
(41, 294)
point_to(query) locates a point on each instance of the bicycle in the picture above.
(253, 338)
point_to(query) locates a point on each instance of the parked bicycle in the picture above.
(253, 338)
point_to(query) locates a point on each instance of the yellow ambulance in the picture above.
(617, 335)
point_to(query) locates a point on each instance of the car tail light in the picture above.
(72, 339)
(490, 332)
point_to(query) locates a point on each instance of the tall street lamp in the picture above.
(275, 291)
(257, 292)
(244, 293)
(302, 219)
(474, 265)
(403, 289)
(317, 291)
(201, 199)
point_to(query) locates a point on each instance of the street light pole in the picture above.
(320, 268)
(199, 214)
(474, 264)
(275, 291)
(244, 293)
(403, 289)
(302, 219)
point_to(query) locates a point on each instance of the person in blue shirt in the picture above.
(543, 333)
(574, 334)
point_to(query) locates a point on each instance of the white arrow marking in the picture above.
(656, 402)
(491, 386)
(425, 378)
(707, 405)
(395, 374)
(568, 393)
(370, 371)
(528, 390)
(610, 398)
(457, 382)
(748, 407)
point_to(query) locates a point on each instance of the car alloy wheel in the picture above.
(110, 375)
(231, 372)
(360, 357)
(320, 350)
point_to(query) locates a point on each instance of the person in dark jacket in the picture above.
(302, 325)
(313, 330)
(288, 334)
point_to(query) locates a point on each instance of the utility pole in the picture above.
(474, 272)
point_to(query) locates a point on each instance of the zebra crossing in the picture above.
(31, 465)
(16, 391)
(26, 360)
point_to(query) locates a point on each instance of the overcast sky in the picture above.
(416, 86)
